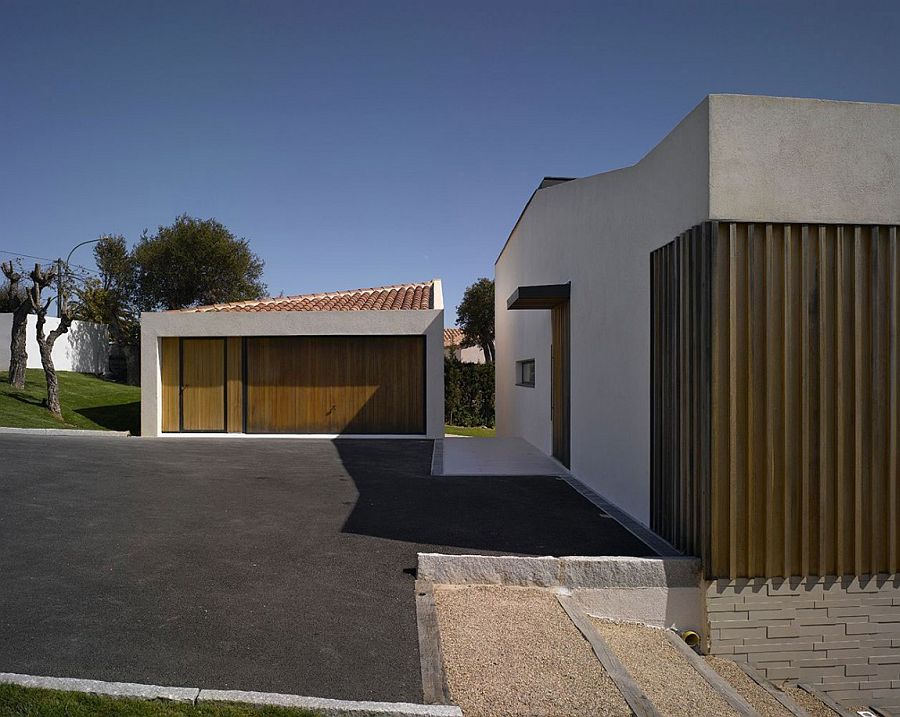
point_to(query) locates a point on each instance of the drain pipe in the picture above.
(691, 638)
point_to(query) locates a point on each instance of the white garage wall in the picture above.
(84, 348)
(429, 323)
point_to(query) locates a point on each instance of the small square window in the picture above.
(525, 373)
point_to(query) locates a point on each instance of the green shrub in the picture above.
(468, 393)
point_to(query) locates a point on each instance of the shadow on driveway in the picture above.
(274, 565)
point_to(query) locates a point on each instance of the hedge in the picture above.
(468, 393)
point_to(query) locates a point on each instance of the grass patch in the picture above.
(18, 701)
(88, 402)
(479, 432)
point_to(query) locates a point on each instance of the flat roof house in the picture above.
(709, 339)
(362, 362)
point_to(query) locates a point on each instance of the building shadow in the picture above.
(531, 515)
(117, 417)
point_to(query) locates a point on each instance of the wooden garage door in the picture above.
(341, 384)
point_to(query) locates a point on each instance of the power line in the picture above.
(26, 256)
(49, 261)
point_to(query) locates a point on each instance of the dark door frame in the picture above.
(560, 389)
(554, 297)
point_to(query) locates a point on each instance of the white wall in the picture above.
(84, 348)
(733, 157)
(598, 233)
(471, 354)
(295, 323)
(797, 160)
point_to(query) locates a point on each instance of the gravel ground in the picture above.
(759, 699)
(511, 652)
(808, 702)
(667, 678)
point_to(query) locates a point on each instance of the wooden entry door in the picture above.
(203, 384)
(560, 401)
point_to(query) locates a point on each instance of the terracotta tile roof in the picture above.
(452, 337)
(381, 298)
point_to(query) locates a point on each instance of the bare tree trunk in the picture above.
(45, 346)
(18, 356)
(40, 281)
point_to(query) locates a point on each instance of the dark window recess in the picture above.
(525, 373)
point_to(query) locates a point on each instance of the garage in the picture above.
(367, 362)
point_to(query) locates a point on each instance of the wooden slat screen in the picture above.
(775, 404)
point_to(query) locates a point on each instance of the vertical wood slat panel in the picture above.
(893, 439)
(775, 404)
(171, 383)
(826, 300)
(721, 519)
(235, 388)
(801, 406)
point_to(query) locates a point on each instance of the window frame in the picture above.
(520, 373)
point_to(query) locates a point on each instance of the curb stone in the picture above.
(321, 705)
(63, 432)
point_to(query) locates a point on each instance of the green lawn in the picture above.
(29, 702)
(480, 432)
(88, 402)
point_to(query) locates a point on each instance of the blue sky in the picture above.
(359, 144)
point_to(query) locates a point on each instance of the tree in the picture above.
(16, 302)
(475, 316)
(40, 280)
(112, 299)
(195, 262)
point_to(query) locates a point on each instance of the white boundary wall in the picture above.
(738, 158)
(429, 323)
(85, 348)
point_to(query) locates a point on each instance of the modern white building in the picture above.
(709, 339)
(453, 348)
(586, 243)
(344, 363)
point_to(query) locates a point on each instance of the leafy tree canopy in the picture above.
(195, 262)
(475, 316)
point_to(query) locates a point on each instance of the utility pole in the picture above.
(59, 288)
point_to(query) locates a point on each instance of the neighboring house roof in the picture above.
(381, 298)
(452, 337)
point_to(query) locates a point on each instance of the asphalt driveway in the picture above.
(274, 565)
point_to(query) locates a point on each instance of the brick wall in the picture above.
(840, 634)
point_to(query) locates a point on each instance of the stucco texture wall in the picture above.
(780, 159)
(598, 233)
(85, 348)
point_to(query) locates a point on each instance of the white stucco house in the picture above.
(583, 246)
(366, 362)
(453, 340)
